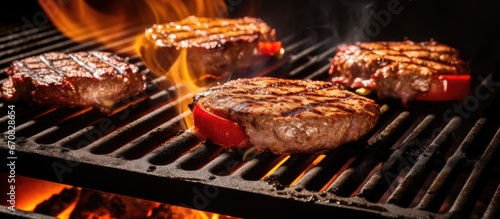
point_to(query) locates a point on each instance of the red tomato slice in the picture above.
(219, 130)
(269, 48)
(447, 87)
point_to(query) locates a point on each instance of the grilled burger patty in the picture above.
(212, 45)
(79, 79)
(292, 116)
(395, 69)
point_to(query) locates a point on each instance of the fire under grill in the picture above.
(427, 160)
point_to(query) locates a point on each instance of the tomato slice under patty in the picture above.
(446, 87)
(219, 130)
(269, 48)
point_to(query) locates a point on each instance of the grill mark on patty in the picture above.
(408, 46)
(395, 69)
(320, 118)
(83, 64)
(56, 79)
(312, 108)
(117, 68)
(214, 30)
(250, 99)
(49, 64)
(187, 27)
(216, 36)
(207, 40)
(285, 84)
(254, 92)
(430, 56)
(26, 69)
(429, 63)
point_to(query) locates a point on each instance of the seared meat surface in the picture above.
(211, 45)
(395, 69)
(292, 116)
(93, 78)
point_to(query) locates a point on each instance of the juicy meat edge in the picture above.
(101, 93)
(297, 133)
(399, 70)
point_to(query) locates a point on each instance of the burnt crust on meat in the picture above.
(395, 69)
(212, 45)
(292, 116)
(80, 79)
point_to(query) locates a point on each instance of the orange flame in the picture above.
(313, 164)
(180, 74)
(107, 21)
(31, 192)
(276, 167)
(67, 212)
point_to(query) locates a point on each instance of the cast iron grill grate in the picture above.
(428, 160)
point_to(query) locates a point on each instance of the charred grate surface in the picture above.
(428, 160)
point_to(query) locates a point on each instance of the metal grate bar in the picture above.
(376, 185)
(52, 45)
(226, 163)
(319, 73)
(57, 131)
(25, 33)
(290, 169)
(198, 156)
(151, 146)
(137, 127)
(299, 43)
(314, 59)
(118, 39)
(441, 184)
(471, 186)
(44, 122)
(67, 126)
(25, 116)
(174, 148)
(415, 177)
(492, 210)
(15, 43)
(257, 167)
(152, 139)
(316, 178)
(350, 179)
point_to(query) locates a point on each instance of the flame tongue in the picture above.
(180, 74)
(98, 20)
(105, 21)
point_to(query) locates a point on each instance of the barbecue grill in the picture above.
(426, 160)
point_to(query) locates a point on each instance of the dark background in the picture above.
(473, 27)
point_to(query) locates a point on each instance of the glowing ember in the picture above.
(33, 192)
(105, 22)
(330, 182)
(313, 164)
(67, 212)
(276, 167)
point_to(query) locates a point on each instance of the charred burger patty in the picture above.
(290, 116)
(399, 69)
(80, 79)
(212, 45)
